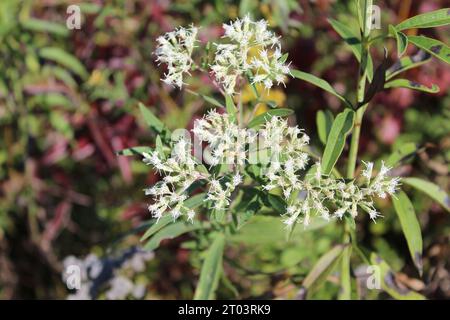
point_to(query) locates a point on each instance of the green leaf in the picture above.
(345, 292)
(324, 85)
(336, 139)
(323, 268)
(195, 201)
(266, 116)
(211, 270)
(150, 119)
(269, 230)
(388, 282)
(401, 153)
(365, 16)
(211, 100)
(231, 108)
(407, 63)
(324, 121)
(410, 226)
(409, 84)
(65, 59)
(134, 151)
(157, 226)
(284, 57)
(402, 40)
(159, 147)
(39, 25)
(170, 232)
(432, 190)
(354, 41)
(277, 203)
(426, 20)
(435, 47)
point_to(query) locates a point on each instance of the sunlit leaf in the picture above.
(431, 19)
(432, 190)
(321, 270)
(407, 63)
(211, 270)
(324, 85)
(342, 126)
(324, 121)
(410, 226)
(435, 47)
(266, 116)
(409, 84)
(134, 151)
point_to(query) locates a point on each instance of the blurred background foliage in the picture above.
(68, 102)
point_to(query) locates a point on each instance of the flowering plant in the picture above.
(235, 164)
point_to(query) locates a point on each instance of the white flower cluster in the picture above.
(313, 194)
(287, 157)
(226, 140)
(251, 48)
(319, 192)
(175, 49)
(179, 173)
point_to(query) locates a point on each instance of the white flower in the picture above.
(175, 49)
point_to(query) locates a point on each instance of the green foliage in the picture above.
(411, 228)
(342, 126)
(211, 269)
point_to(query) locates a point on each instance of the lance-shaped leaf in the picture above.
(171, 231)
(432, 190)
(365, 10)
(336, 139)
(266, 116)
(231, 108)
(413, 85)
(431, 19)
(211, 269)
(384, 276)
(211, 100)
(407, 63)
(150, 119)
(324, 85)
(134, 151)
(402, 40)
(39, 25)
(323, 268)
(410, 226)
(250, 233)
(404, 151)
(345, 292)
(435, 47)
(324, 121)
(354, 41)
(65, 59)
